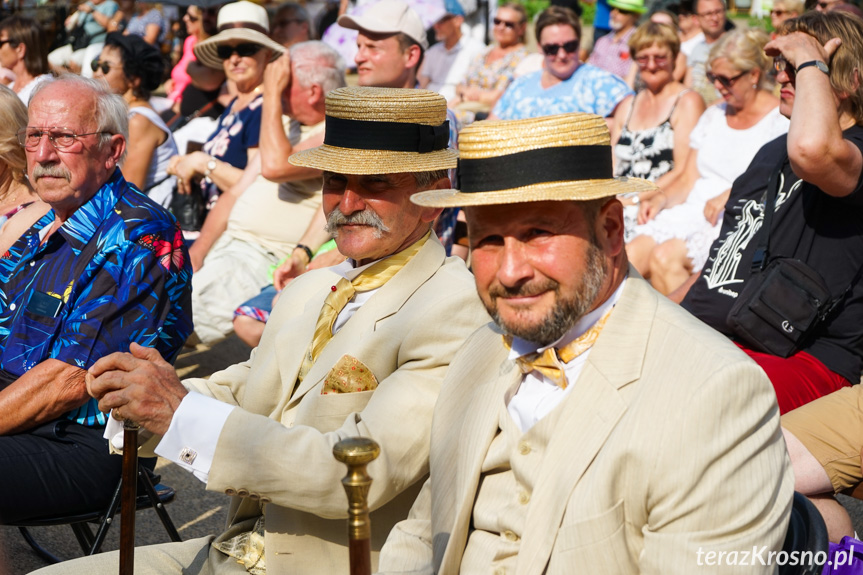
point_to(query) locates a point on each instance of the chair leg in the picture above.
(158, 506)
(46, 555)
(105, 522)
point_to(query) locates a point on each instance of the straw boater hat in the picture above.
(565, 157)
(382, 131)
(243, 21)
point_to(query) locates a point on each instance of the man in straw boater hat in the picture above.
(594, 427)
(359, 349)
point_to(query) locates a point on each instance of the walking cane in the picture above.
(128, 497)
(356, 453)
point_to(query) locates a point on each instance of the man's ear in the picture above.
(429, 214)
(413, 55)
(316, 95)
(116, 145)
(609, 227)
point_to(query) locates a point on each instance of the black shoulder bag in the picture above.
(785, 300)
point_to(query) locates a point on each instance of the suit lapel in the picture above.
(590, 413)
(481, 426)
(385, 302)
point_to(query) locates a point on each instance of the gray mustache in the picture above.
(51, 170)
(363, 218)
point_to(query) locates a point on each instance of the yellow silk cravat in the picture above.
(550, 362)
(371, 278)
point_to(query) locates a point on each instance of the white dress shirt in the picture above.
(537, 395)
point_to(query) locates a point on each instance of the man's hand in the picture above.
(277, 76)
(139, 385)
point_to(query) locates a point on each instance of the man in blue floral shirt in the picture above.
(105, 267)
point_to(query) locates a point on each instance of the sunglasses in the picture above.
(505, 23)
(780, 64)
(568, 47)
(224, 51)
(190, 18)
(711, 14)
(824, 5)
(778, 12)
(724, 80)
(3, 42)
(104, 66)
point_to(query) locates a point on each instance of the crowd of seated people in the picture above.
(695, 107)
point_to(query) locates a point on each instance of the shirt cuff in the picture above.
(191, 439)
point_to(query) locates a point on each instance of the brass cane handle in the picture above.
(357, 453)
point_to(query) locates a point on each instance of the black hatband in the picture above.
(562, 164)
(391, 136)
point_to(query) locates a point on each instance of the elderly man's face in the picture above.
(372, 215)
(381, 62)
(538, 266)
(67, 178)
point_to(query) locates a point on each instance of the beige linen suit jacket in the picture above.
(275, 454)
(669, 443)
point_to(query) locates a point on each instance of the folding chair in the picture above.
(154, 495)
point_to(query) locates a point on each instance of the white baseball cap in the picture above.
(388, 17)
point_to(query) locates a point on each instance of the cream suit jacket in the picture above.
(669, 444)
(275, 454)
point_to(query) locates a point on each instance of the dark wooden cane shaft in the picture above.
(361, 557)
(127, 498)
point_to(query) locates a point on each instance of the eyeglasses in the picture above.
(60, 138)
(724, 80)
(712, 13)
(825, 5)
(505, 23)
(105, 66)
(658, 61)
(780, 64)
(225, 51)
(778, 12)
(553, 49)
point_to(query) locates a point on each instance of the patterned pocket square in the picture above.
(349, 375)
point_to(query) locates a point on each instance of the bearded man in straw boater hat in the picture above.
(359, 349)
(594, 427)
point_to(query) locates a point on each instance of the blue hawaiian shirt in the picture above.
(132, 282)
(589, 90)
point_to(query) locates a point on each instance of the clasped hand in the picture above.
(139, 385)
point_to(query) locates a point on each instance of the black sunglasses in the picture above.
(190, 17)
(553, 49)
(96, 64)
(2, 42)
(505, 23)
(224, 51)
(725, 82)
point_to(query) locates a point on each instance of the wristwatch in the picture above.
(817, 63)
(211, 166)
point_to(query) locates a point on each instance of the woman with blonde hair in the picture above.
(679, 220)
(16, 195)
(654, 125)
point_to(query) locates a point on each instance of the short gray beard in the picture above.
(52, 170)
(567, 312)
(363, 218)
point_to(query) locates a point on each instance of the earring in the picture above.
(754, 86)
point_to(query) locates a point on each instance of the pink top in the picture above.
(179, 77)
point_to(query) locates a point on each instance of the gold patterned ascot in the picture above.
(341, 293)
(550, 362)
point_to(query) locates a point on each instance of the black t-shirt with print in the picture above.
(823, 231)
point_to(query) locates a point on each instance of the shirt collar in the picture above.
(83, 223)
(522, 347)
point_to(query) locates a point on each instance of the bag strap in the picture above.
(762, 251)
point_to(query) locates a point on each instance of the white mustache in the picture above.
(363, 218)
(51, 170)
